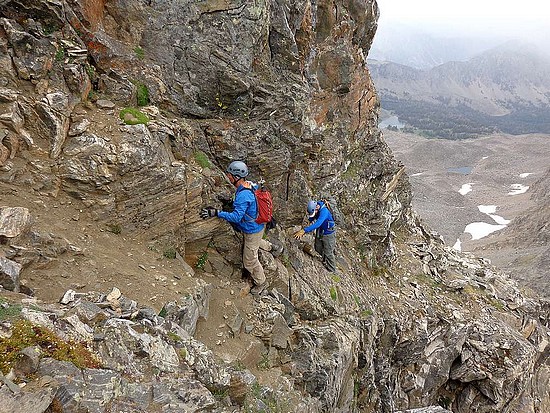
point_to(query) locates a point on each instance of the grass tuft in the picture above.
(142, 94)
(140, 54)
(333, 294)
(9, 311)
(170, 253)
(133, 116)
(202, 159)
(114, 228)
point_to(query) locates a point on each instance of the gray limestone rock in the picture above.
(280, 333)
(34, 55)
(26, 402)
(54, 111)
(78, 128)
(105, 104)
(9, 274)
(28, 361)
(14, 221)
(188, 309)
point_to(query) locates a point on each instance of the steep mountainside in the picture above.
(451, 180)
(118, 121)
(504, 89)
(530, 234)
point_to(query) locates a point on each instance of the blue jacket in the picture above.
(323, 220)
(245, 211)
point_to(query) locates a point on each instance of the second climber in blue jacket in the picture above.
(322, 222)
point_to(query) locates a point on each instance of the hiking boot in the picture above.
(328, 268)
(258, 289)
(276, 250)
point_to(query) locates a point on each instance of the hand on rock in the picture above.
(208, 212)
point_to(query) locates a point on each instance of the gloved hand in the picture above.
(208, 212)
(299, 234)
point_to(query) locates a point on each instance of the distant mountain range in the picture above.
(422, 50)
(504, 89)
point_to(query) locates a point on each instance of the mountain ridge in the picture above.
(420, 49)
(504, 89)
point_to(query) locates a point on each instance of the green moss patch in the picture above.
(25, 334)
(8, 311)
(133, 116)
(142, 95)
(202, 159)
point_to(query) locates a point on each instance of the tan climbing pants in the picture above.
(252, 243)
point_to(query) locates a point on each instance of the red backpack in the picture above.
(264, 200)
(264, 203)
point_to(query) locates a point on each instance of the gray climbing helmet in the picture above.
(311, 207)
(238, 169)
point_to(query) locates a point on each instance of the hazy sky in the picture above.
(499, 17)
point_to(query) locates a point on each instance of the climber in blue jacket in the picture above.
(243, 220)
(325, 232)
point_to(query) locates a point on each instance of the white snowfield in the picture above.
(465, 189)
(480, 230)
(518, 189)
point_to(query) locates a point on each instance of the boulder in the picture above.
(14, 221)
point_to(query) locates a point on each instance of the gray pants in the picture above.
(325, 246)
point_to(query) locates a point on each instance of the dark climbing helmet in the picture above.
(311, 207)
(238, 169)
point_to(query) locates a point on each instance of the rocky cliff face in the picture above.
(284, 86)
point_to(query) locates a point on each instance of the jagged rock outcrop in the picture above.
(406, 323)
(147, 362)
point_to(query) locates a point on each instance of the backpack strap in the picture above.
(326, 205)
(251, 189)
